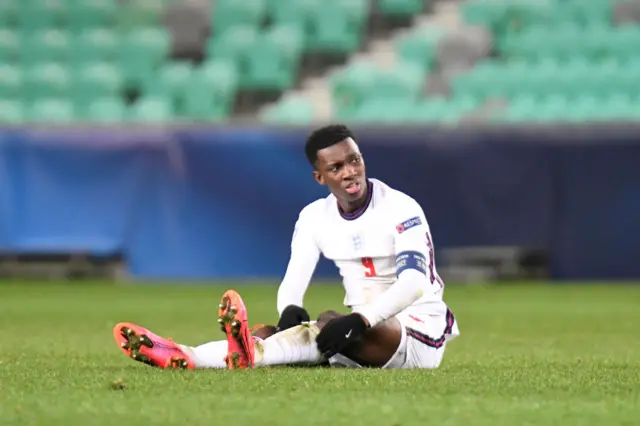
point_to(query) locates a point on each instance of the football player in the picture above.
(379, 239)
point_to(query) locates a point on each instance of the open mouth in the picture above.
(353, 188)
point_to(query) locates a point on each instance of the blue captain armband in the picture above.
(411, 260)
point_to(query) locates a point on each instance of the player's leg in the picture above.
(376, 347)
(144, 346)
(425, 337)
(297, 345)
(213, 354)
(412, 339)
(140, 344)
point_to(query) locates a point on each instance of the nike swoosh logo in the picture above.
(348, 334)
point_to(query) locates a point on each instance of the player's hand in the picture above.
(340, 332)
(292, 316)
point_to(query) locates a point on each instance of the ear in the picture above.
(318, 177)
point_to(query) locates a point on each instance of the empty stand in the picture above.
(205, 60)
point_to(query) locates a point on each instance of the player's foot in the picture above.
(142, 345)
(234, 321)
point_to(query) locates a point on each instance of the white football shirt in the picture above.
(371, 247)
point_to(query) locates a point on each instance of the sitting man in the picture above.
(380, 241)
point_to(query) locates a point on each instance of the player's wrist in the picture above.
(364, 320)
(367, 315)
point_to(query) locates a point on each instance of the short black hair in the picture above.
(323, 138)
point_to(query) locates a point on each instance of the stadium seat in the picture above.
(291, 110)
(272, 61)
(135, 14)
(11, 111)
(105, 110)
(9, 45)
(45, 46)
(418, 47)
(227, 14)
(141, 52)
(37, 15)
(210, 93)
(401, 8)
(97, 80)
(232, 45)
(151, 110)
(425, 110)
(95, 44)
(170, 80)
(441, 110)
(91, 14)
(294, 12)
(377, 110)
(337, 26)
(47, 80)
(51, 110)
(10, 81)
(8, 13)
(405, 81)
(351, 86)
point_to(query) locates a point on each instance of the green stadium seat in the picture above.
(89, 14)
(483, 12)
(338, 26)
(210, 93)
(170, 80)
(227, 14)
(234, 44)
(106, 110)
(141, 52)
(440, 110)
(583, 13)
(51, 111)
(96, 44)
(352, 86)
(294, 12)
(47, 80)
(479, 82)
(9, 46)
(419, 47)
(401, 8)
(11, 111)
(45, 46)
(375, 111)
(8, 13)
(10, 81)
(272, 62)
(139, 13)
(37, 15)
(97, 80)
(290, 110)
(622, 42)
(152, 110)
(405, 81)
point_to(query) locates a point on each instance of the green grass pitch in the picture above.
(528, 355)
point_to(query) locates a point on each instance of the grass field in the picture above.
(527, 355)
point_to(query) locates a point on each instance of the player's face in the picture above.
(341, 168)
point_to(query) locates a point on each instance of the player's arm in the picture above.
(414, 266)
(305, 254)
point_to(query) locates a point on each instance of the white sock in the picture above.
(296, 345)
(208, 355)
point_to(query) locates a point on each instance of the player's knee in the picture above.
(266, 331)
(327, 316)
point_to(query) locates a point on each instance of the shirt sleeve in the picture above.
(414, 264)
(305, 254)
